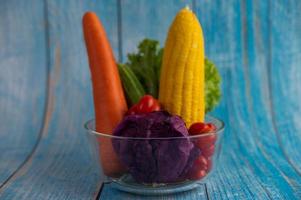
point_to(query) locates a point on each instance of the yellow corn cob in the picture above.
(182, 87)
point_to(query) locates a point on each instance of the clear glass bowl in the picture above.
(154, 166)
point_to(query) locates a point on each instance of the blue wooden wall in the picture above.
(45, 94)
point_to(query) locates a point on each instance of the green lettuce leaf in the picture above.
(146, 65)
(212, 85)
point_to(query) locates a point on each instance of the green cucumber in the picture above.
(132, 87)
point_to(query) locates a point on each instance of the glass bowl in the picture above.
(155, 166)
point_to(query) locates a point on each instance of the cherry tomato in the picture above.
(200, 128)
(197, 175)
(201, 167)
(146, 104)
(132, 110)
(207, 152)
(196, 128)
(200, 163)
(198, 169)
(205, 141)
(156, 107)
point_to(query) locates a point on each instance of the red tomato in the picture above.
(207, 152)
(146, 104)
(132, 110)
(196, 128)
(197, 175)
(201, 167)
(200, 128)
(200, 163)
(156, 107)
(211, 127)
(205, 141)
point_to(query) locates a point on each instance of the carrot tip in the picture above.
(89, 16)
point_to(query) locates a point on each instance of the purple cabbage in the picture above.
(155, 160)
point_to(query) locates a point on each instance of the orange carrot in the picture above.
(109, 101)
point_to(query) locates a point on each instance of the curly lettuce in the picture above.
(146, 65)
(212, 85)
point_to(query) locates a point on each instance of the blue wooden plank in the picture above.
(285, 81)
(23, 73)
(258, 65)
(62, 168)
(233, 179)
(226, 45)
(146, 19)
(222, 25)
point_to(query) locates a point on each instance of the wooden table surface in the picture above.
(45, 94)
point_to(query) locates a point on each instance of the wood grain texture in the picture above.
(285, 81)
(259, 50)
(151, 19)
(255, 44)
(23, 72)
(251, 136)
(62, 168)
(234, 179)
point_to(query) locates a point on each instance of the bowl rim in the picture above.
(220, 129)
